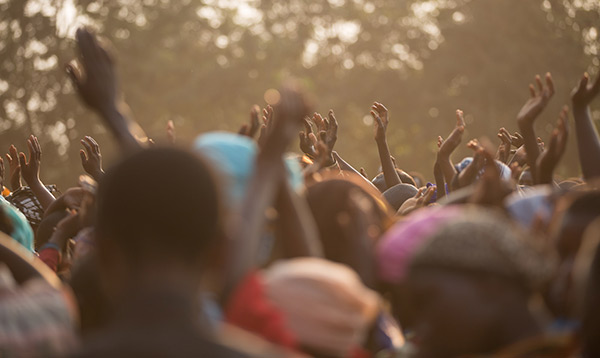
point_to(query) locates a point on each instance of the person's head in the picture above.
(418, 178)
(379, 180)
(574, 212)
(398, 194)
(334, 214)
(140, 228)
(469, 284)
(233, 156)
(326, 307)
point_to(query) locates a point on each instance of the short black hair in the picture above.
(159, 204)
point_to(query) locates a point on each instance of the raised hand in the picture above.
(527, 115)
(282, 122)
(584, 93)
(96, 82)
(91, 158)
(517, 139)
(31, 168)
(490, 189)
(267, 125)
(14, 168)
(588, 143)
(308, 140)
(171, 131)
(381, 117)
(503, 152)
(446, 147)
(252, 129)
(331, 128)
(548, 160)
(453, 141)
(537, 102)
(421, 199)
(97, 86)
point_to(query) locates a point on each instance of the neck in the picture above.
(519, 325)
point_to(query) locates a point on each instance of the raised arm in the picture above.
(98, 88)
(381, 117)
(588, 143)
(548, 160)
(31, 172)
(527, 116)
(264, 185)
(446, 147)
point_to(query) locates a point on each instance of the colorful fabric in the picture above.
(22, 232)
(396, 248)
(250, 310)
(233, 156)
(325, 304)
(479, 240)
(37, 319)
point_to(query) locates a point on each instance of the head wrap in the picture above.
(505, 171)
(22, 232)
(325, 304)
(233, 157)
(399, 243)
(524, 206)
(481, 241)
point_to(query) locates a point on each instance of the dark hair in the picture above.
(398, 194)
(46, 227)
(379, 180)
(159, 204)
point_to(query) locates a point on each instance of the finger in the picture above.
(87, 146)
(419, 192)
(583, 83)
(37, 147)
(550, 83)
(242, 131)
(531, 90)
(307, 125)
(22, 159)
(13, 152)
(313, 138)
(323, 136)
(31, 149)
(332, 120)
(538, 81)
(93, 143)
(73, 74)
(84, 158)
(460, 120)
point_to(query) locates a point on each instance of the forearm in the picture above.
(296, 226)
(346, 166)
(249, 226)
(588, 144)
(439, 181)
(41, 193)
(446, 168)
(389, 171)
(127, 132)
(531, 148)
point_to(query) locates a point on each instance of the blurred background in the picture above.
(203, 64)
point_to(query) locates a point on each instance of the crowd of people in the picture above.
(250, 250)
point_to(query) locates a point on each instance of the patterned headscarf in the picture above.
(482, 241)
(21, 232)
(396, 248)
(233, 156)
